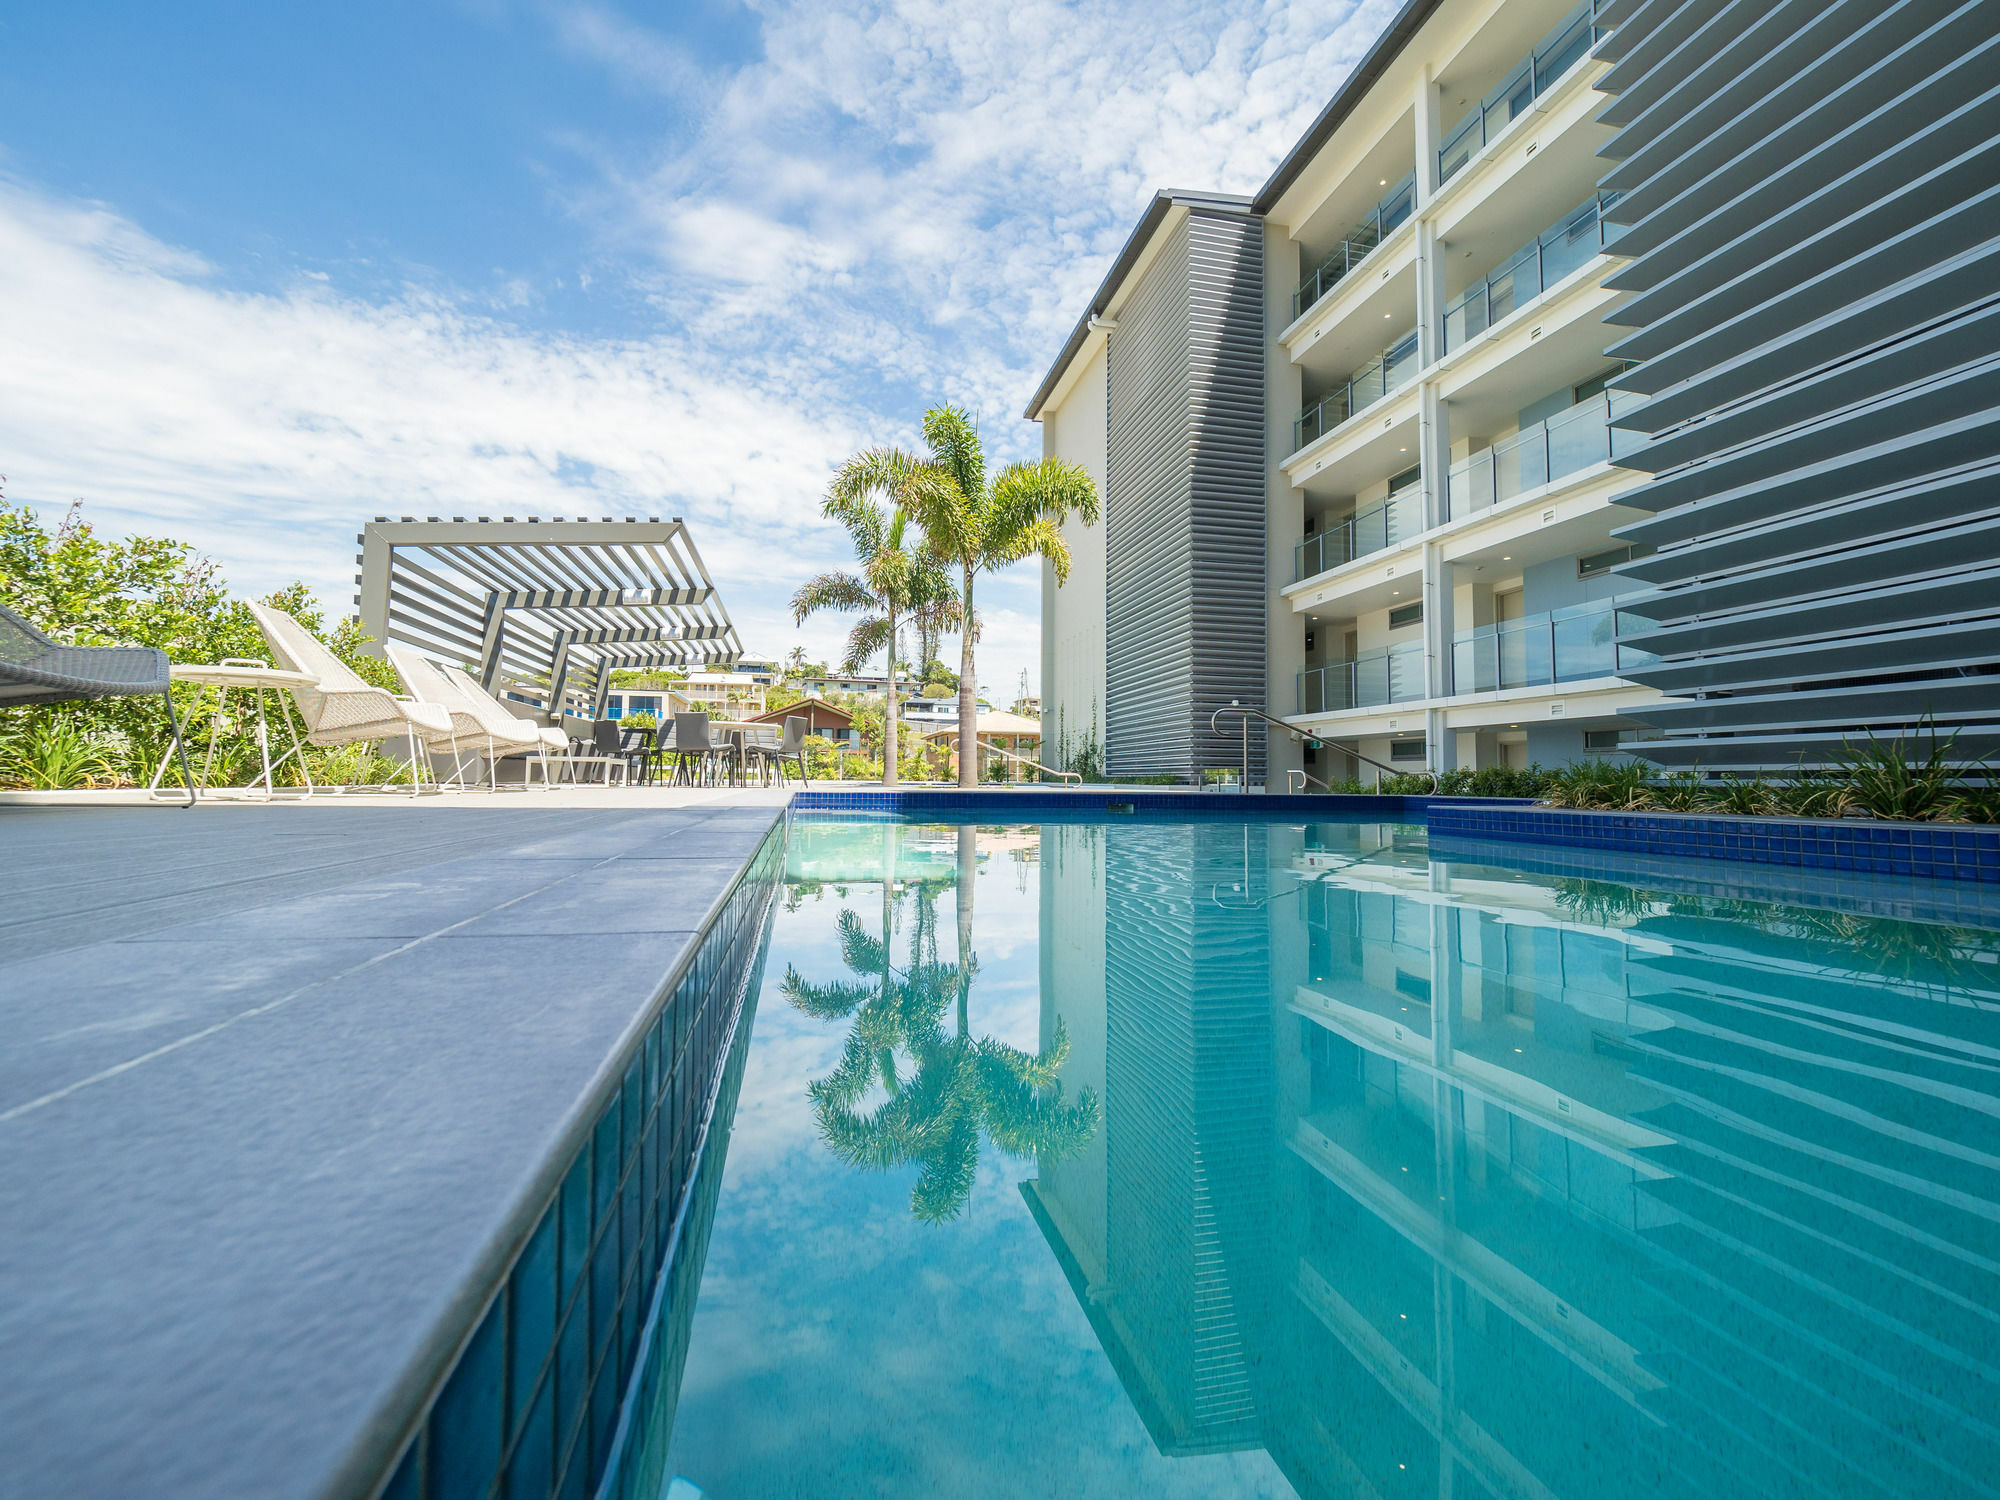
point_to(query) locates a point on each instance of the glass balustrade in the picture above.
(1387, 373)
(1396, 206)
(1563, 645)
(1583, 234)
(1370, 680)
(1389, 524)
(1540, 454)
(1532, 77)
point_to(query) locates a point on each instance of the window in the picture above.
(1408, 614)
(1405, 479)
(1599, 563)
(1406, 749)
(1596, 385)
(1607, 741)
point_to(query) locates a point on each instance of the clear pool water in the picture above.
(1216, 1159)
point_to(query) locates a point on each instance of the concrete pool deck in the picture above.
(274, 1079)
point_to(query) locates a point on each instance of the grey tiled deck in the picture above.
(273, 1083)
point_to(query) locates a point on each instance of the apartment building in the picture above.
(1487, 522)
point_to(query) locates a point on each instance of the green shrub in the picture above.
(1892, 782)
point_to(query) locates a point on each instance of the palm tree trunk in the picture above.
(968, 872)
(889, 710)
(968, 692)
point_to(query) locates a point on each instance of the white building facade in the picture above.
(1436, 548)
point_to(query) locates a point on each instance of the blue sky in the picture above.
(267, 270)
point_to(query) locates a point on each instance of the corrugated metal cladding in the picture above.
(1184, 503)
(1813, 191)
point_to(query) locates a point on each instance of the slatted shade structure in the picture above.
(543, 610)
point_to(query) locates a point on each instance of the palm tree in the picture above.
(895, 579)
(977, 525)
(955, 1086)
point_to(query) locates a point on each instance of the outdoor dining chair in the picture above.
(791, 747)
(36, 669)
(605, 748)
(693, 750)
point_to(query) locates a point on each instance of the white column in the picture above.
(1429, 132)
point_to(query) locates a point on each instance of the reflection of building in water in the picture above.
(1539, 1186)
(1166, 1012)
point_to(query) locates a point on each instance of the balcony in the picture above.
(1538, 72)
(1563, 645)
(1549, 450)
(1389, 524)
(1369, 681)
(1387, 373)
(1583, 235)
(1396, 206)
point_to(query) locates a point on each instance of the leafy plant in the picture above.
(1614, 785)
(1812, 792)
(1681, 791)
(1892, 781)
(86, 590)
(52, 752)
(1743, 797)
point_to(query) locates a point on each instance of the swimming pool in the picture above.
(1139, 1157)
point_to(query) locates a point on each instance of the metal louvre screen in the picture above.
(1227, 507)
(1149, 597)
(1813, 195)
(1184, 512)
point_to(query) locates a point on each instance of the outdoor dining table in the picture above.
(238, 675)
(739, 736)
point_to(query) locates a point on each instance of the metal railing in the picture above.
(1562, 49)
(1391, 370)
(1539, 454)
(1581, 237)
(1563, 645)
(1357, 244)
(1395, 675)
(1299, 736)
(1389, 524)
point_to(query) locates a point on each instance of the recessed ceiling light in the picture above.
(1395, 593)
(1402, 450)
(1383, 183)
(1387, 316)
(1508, 558)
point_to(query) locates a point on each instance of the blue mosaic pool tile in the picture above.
(1910, 851)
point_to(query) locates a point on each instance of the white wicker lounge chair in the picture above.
(473, 718)
(341, 709)
(547, 736)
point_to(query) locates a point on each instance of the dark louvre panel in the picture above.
(1813, 195)
(1184, 511)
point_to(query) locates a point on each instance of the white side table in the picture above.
(238, 674)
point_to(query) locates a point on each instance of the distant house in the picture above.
(996, 731)
(766, 672)
(827, 721)
(860, 687)
(661, 703)
(1028, 708)
(928, 713)
(728, 694)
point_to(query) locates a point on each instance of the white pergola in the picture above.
(543, 611)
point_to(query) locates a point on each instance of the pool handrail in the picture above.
(1246, 713)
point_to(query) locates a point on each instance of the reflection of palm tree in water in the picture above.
(955, 1085)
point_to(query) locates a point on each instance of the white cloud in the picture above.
(264, 427)
(891, 202)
